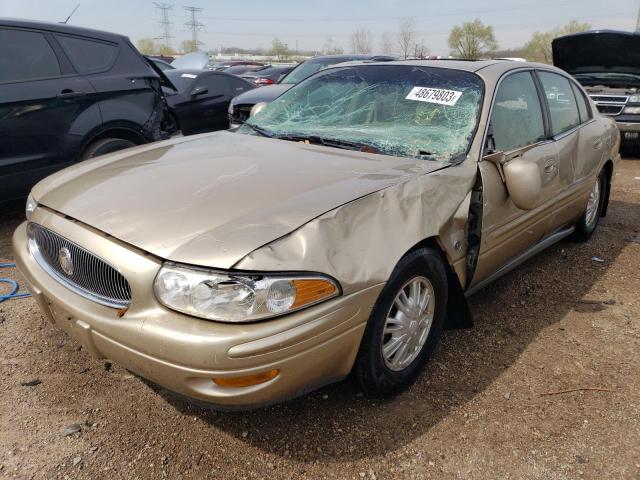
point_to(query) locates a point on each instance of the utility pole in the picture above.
(638, 21)
(194, 25)
(165, 23)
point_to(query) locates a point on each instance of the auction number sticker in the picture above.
(188, 75)
(434, 95)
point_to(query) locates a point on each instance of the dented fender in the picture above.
(360, 243)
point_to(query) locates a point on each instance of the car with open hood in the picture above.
(607, 64)
(337, 232)
(240, 107)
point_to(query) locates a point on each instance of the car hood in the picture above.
(599, 51)
(262, 94)
(212, 199)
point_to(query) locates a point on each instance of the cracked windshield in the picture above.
(407, 111)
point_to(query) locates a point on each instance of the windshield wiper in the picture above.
(260, 130)
(331, 142)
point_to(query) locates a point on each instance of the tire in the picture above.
(591, 216)
(107, 145)
(383, 374)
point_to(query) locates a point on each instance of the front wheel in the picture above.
(405, 324)
(591, 216)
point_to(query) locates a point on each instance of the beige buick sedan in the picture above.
(337, 232)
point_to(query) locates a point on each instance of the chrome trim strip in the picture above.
(523, 257)
(118, 292)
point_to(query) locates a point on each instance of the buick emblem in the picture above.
(64, 258)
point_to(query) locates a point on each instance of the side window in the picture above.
(583, 105)
(26, 56)
(238, 86)
(217, 84)
(88, 56)
(561, 101)
(516, 118)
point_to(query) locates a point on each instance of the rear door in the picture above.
(519, 129)
(41, 98)
(580, 146)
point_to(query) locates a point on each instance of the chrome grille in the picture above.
(78, 269)
(610, 104)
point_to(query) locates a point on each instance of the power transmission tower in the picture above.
(165, 23)
(194, 25)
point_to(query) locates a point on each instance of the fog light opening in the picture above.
(246, 381)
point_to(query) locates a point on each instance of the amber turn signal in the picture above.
(312, 291)
(247, 381)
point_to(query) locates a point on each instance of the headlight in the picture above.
(238, 298)
(634, 99)
(632, 110)
(30, 206)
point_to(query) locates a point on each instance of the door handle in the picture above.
(550, 166)
(66, 93)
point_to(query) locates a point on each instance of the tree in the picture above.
(147, 46)
(406, 36)
(166, 50)
(361, 41)
(420, 50)
(386, 43)
(331, 48)
(472, 40)
(539, 47)
(188, 46)
(279, 49)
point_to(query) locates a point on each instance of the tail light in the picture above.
(263, 81)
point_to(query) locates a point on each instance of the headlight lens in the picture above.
(238, 298)
(30, 206)
(634, 99)
(632, 110)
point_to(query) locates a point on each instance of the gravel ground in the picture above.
(561, 321)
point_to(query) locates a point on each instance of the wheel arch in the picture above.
(458, 314)
(124, 132)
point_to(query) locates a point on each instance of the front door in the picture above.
(517, 126)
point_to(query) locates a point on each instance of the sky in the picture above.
(254, 23)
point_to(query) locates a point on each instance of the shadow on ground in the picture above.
(509, 314)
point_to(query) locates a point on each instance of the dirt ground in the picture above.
(562, 321)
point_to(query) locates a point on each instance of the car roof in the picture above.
(195, 71)
(586, 33)
(484, 68)
(61, 28)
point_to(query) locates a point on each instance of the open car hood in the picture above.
(598, 51)
(212, 199)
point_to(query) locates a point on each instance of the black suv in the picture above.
(68, 94)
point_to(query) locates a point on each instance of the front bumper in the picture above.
(309, 348)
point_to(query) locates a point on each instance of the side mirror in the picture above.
(257, 108)
(522, 178)
(199, 91)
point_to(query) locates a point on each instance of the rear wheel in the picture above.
(405, 324)
(591, 216)
(106, 145)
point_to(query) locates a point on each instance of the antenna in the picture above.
(71, 14)
(165, 23)
(194, 25)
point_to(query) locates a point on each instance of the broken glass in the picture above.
(380, 108)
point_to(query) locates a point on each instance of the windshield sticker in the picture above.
(434, 95)
(188, 75)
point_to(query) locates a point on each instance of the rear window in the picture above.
(180, 79)
(88, 56)
(26, 56)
